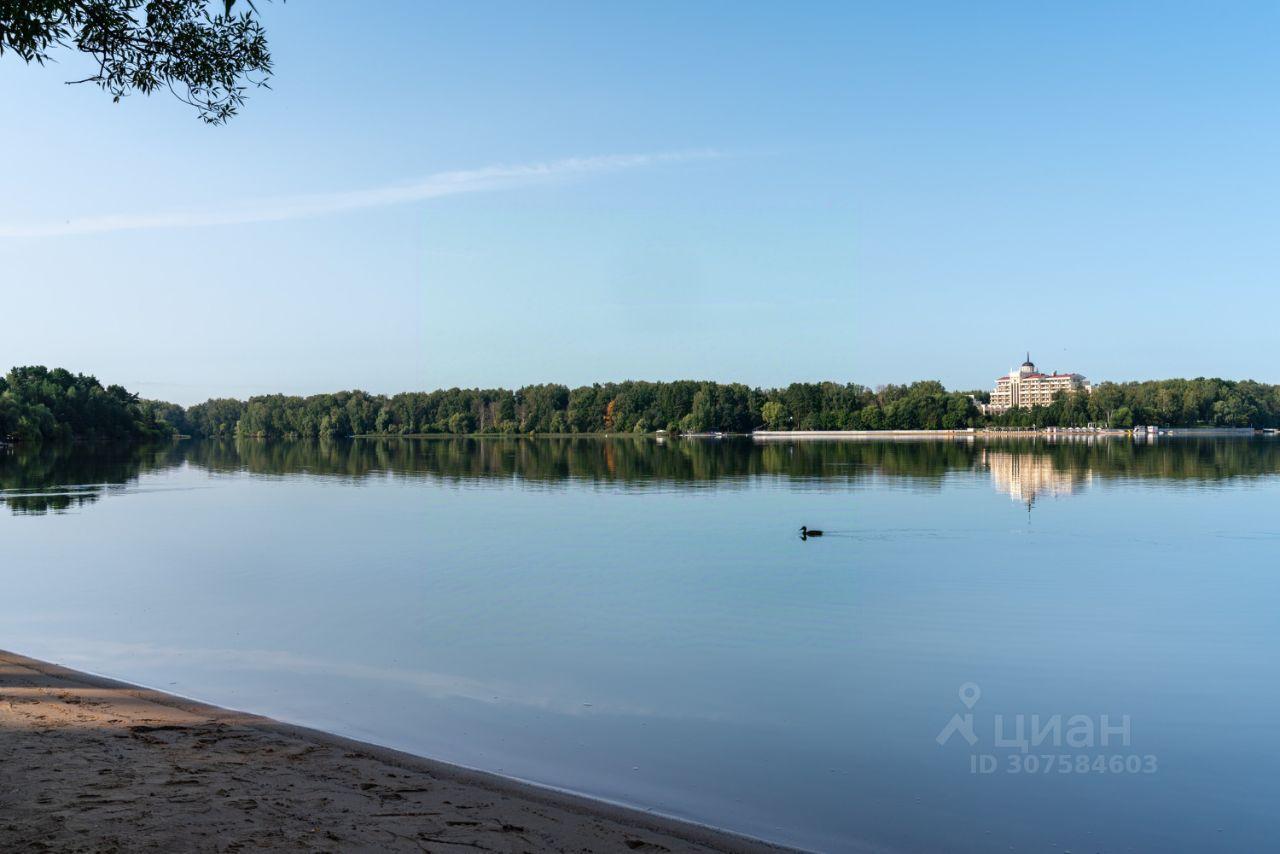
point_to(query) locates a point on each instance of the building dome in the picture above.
(1027, 367)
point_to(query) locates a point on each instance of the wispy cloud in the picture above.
(324, 204)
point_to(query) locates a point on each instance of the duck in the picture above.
(805, 533)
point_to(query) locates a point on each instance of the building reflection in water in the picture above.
(1026, 476)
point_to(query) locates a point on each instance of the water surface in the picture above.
(639, 621)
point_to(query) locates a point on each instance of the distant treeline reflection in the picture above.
(694, 460)
(36, 479)
(39, 478)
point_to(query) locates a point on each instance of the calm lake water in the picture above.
(639, 621)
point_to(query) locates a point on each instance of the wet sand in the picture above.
(91, 764)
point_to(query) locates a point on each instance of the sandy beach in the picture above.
(92, 764)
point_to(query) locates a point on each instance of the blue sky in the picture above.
(761, 193)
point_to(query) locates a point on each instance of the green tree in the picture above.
(774, 415)
(200, 50)
(40, 403)
(461, 422)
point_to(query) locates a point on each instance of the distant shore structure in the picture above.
(1027, 387)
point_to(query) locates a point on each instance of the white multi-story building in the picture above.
(1027, 387)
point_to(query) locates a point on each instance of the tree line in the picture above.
(682, 406)
(1197, 402)
(39, 403)
(688, 406)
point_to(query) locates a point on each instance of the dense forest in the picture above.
(39, 403)
(695, 407)
(627, 407)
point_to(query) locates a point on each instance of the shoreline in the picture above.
(1010, 433)
(87, 760)
(774, 435)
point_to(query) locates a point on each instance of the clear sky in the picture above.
(873, 192)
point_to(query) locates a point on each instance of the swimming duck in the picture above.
(805, 533)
